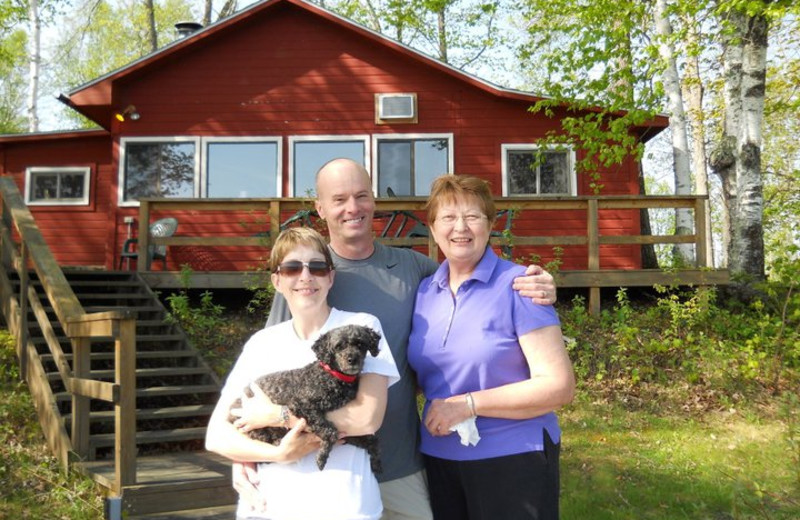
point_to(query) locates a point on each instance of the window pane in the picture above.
(239, 170)
(159, 170)
(57, 186)
(394, 167)
(309, 156)
(521, 172)
(553, 173)
(72, 186)
(430, 161)
(45, 186)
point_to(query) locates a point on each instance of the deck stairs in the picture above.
(175, 395)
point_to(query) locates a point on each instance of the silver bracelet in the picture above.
(471, 404)
(285, 416)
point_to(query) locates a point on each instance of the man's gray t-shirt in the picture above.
(384, 285)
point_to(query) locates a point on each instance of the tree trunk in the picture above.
(442, 32)
(151, 25)
(681, 167)
(693, 93)
(737, 156)
(649, 257)
(34, 65)
(749, 234)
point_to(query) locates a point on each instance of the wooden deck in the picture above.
(593, 271)
(171, 478)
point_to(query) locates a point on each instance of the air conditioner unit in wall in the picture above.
(396, 106)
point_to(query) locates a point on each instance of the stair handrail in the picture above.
(80, 327)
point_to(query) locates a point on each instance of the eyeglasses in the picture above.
(470, 219)
(295, 267)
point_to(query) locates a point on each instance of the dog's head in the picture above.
(344, 348)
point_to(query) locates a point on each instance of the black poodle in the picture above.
(319, 387)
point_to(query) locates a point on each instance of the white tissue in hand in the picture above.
(468, 431)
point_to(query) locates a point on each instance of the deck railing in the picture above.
(593, 277)
(22, 248)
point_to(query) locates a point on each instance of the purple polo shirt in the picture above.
(470, 342)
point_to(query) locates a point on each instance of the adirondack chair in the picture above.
(162, 228)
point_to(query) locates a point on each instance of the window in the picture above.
(218, 167)
(153, 168)
(407, 164)
(310, 153)
(534, 170)
(57, 186)
(236, 168)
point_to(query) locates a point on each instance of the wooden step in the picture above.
(141, 354)
(171, 412)
(158, 391)
(172, 482)
(108, 375)
(106, 440)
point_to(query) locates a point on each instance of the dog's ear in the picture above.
(321, 348)
(372, 339)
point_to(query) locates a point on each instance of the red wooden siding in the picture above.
(78, 235)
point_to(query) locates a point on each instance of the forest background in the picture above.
(688, 402)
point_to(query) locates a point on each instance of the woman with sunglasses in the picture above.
(294, 488)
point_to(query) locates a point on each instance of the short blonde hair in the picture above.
(290, 238)
(453, 188)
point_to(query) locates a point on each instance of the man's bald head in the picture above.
(339, 167)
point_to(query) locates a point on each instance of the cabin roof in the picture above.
(95, 98)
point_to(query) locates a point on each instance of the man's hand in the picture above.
(245, 480)
(297, 443)
(537, 284)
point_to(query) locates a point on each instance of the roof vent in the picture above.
(187, 28)
(394, 107)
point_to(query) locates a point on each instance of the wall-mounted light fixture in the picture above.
(130, 112)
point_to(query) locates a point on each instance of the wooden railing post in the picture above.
(143, 244)
(125, 407)
(700, 216)
(22, 330)
(274, 220)
(81, 366)
(593, 234)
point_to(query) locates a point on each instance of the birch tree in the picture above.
(34, 61)
(736, 156)
(681, 166)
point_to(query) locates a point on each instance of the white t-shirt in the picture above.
(346, 489)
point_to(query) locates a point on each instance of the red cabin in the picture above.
(251, 106)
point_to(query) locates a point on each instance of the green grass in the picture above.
(32, 485)
(619, 463)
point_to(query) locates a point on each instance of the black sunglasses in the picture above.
(295, 267)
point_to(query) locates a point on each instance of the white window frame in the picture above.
(85, 170)
(278, 141)
(377, 138)
(154, 139)
(293, 139)
(572, 179)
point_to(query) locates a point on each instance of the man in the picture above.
(382, 281)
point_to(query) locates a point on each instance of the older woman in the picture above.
(489, 358)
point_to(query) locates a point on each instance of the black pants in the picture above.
(515, 487)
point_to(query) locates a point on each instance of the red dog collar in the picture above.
(338, 375)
